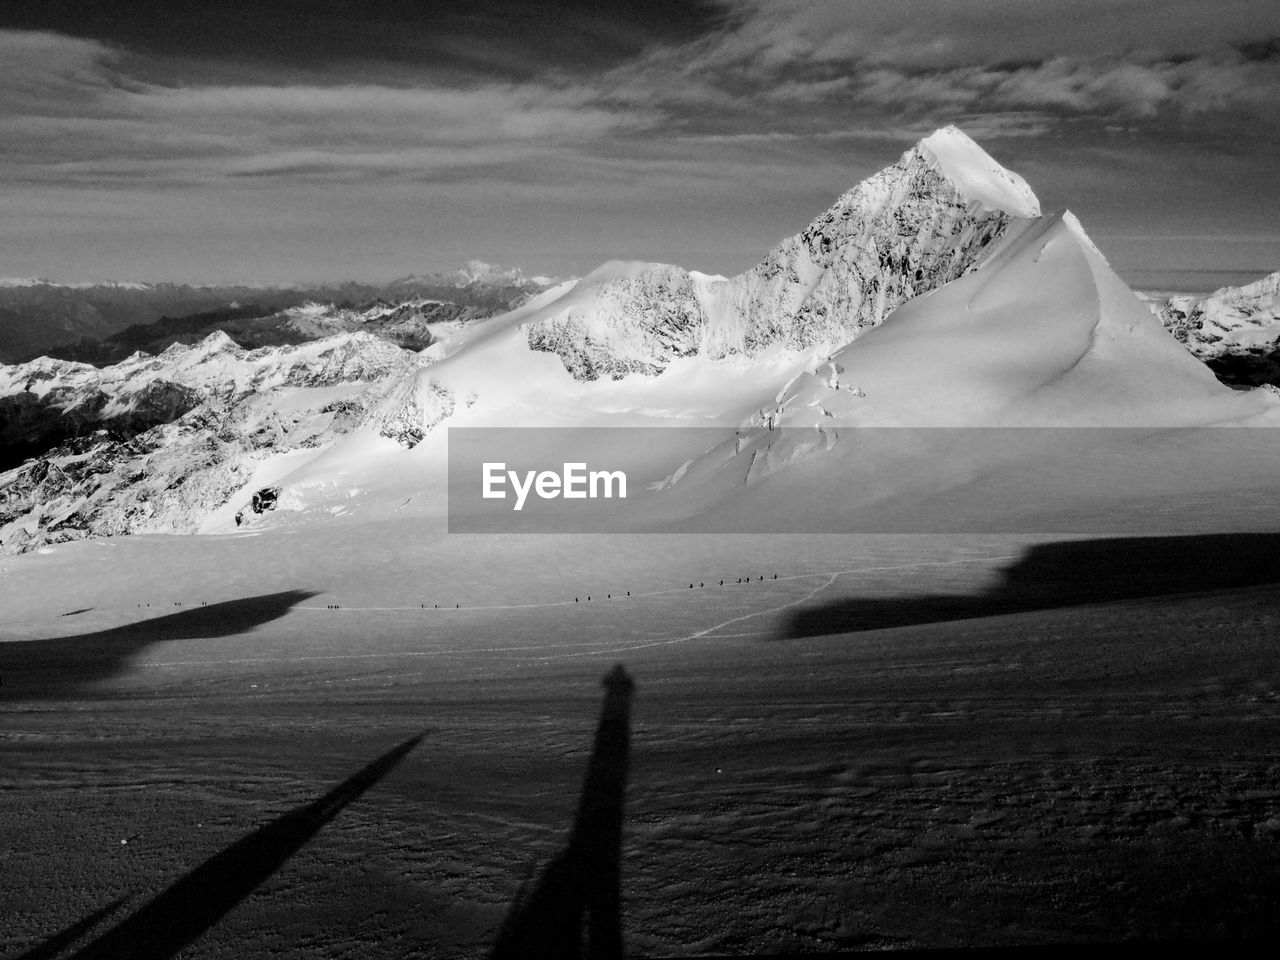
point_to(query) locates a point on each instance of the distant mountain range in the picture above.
(72, 320)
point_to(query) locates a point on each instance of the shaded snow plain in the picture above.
(902, 740)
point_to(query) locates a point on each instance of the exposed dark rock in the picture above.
(265, 499)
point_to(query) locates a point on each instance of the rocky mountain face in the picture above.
(157, 443)
(1235, 330)
(414, 324)
(636, 322)
(905, 231)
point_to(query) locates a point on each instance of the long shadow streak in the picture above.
(184, 911)
(1064, 574)
(63, 939)
(44, 669)
(584, 880)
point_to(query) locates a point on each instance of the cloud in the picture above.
(72, 109)
(1135, 87)
(787, 102)
(51, 74)
(766, 35)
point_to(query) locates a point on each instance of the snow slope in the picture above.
(1043, 337)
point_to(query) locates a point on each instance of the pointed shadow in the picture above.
(583, 882)
(47, 669)
(184, 911)
(60, 941)
(1068, 574)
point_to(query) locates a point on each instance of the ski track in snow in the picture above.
(582, 648)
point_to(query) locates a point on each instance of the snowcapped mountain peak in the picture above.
(1235, 330)
(478, 271)
(12, 282)
(1267, 287)
(976, 174)
(136, 285)
(620, 270)
(917, 224)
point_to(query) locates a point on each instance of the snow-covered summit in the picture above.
(14, 282)
(478, 271)
(976, 175)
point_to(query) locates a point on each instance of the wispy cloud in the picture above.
(841, 60)
(1139, 86)
(69, 108)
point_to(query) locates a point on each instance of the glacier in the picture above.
(932, 294)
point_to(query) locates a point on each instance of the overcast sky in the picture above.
(336, 139)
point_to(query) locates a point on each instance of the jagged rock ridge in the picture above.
(160, 442)
(1235, 330)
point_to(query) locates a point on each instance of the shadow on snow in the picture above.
(1067, 574)
(34, 669)
(176, 917)
(579, 891)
